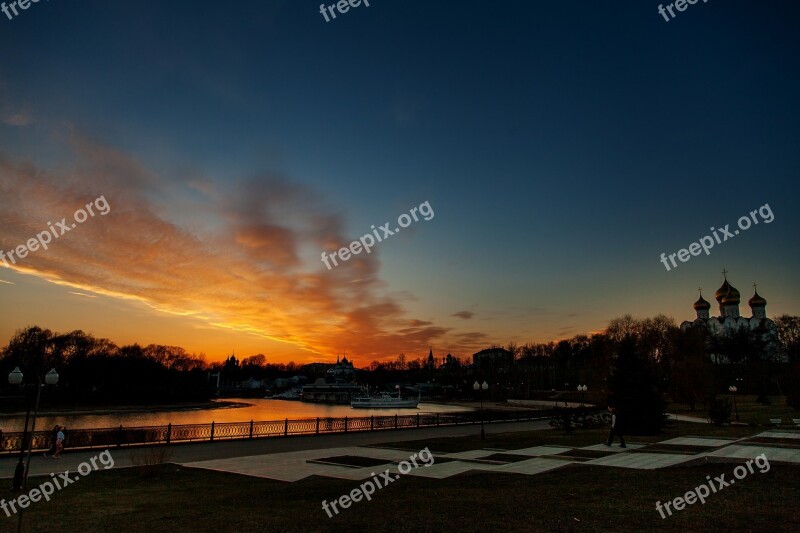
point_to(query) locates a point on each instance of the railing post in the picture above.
(251, 428)
(395, 421)
(285, 427)
(169, 432)
(345, 424)
(317, 432)
(417, 419)
(437, 419)
(212, 431)
(119, 437)
(372, 423)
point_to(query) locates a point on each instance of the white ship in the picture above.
(384, 401)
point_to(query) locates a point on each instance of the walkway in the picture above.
(184, 453)
(338, 462)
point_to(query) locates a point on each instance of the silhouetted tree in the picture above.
(634, 389)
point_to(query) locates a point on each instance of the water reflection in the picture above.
(261, 409)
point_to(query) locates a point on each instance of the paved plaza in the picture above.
(337, 462)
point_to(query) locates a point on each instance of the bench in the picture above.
(775, 421)
(796, 421)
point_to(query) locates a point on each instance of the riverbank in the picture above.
(509, 405)
(230, 410)
(111, 410)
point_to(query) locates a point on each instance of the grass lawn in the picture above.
(750, 411)
(579, 438)
(574, 497)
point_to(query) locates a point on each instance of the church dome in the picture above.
(732, 297)
(727, 294)
(701, 304)
(722, 291)
(757, 301)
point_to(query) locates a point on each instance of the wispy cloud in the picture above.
(254, 268)
(466, 315)
(18, 119)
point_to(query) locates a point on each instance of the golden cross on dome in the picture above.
(755, 286)
(725, 273)
(700, 290)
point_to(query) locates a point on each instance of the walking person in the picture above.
(615, 428)
(59, 443)
(53, 439)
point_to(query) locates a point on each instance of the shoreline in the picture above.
(87, 411)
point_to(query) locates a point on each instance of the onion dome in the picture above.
(757, 301)
(701, 304)
(722, 291)
(732, 297)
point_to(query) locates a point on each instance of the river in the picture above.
(259, 409)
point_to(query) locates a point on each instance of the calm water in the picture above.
(261, 409)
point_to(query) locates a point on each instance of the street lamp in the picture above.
(583, 389)
(732, 389)
(21, 471)
(478, 387)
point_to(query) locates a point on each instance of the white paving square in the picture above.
(699, 441)
(471, 454)
(738, 451)
(445, 470)
(780, 434)
(537, 451)
(615, 448)
(531, 466)
(643, 461)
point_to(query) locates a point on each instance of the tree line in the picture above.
(630, 354)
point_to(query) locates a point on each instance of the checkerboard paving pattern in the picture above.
(294, 466)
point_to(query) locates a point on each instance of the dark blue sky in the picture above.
(563, 146)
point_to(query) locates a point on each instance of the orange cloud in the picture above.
(246, 260)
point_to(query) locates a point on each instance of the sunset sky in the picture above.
(562, 146)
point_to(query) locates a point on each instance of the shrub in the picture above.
(150, 458)
(719, 412)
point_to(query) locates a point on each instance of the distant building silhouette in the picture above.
(730, 321)
(492, 358)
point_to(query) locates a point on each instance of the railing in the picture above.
(136, 436)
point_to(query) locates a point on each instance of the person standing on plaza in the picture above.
(615, 428)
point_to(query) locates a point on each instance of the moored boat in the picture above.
(384, 401)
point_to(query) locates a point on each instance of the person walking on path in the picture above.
(53, 440)
(615, 428)
(59, 443)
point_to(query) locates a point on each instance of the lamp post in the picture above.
(15, 378)
(732, 389)
(478, 387)
(21, 472)
(583, 389)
